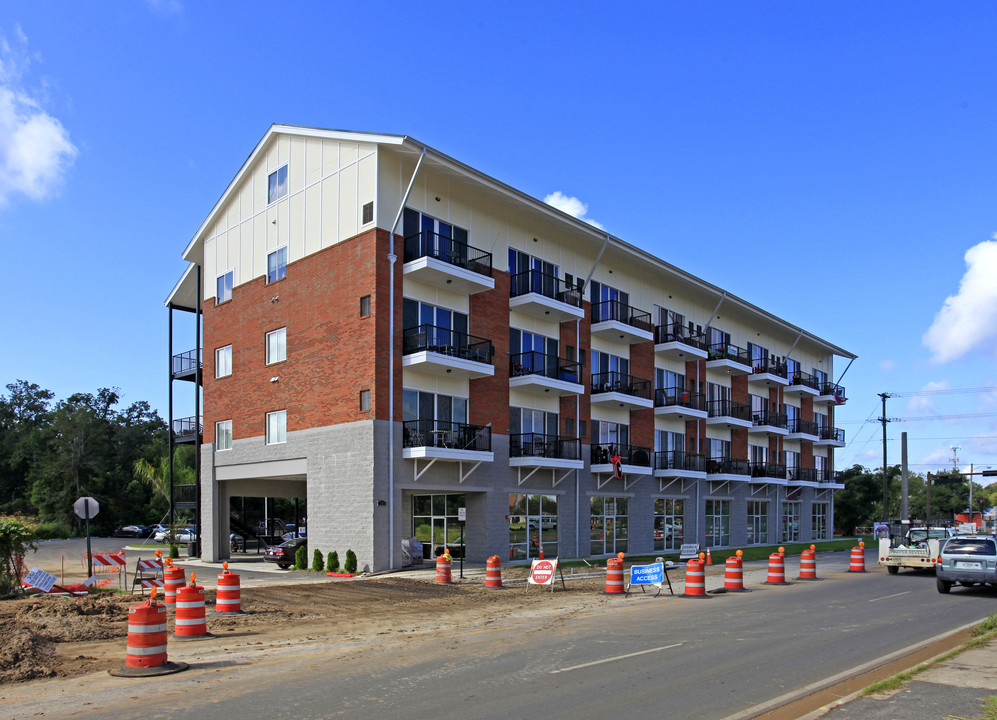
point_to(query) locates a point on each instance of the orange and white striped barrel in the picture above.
(857, 563)
(228, 600)
(777, 569)
(174, 580)
(695, 579)
(146, 635)
(443, 566)
(733, 575)
(614, 576)
(808, 565)
(190, 621)
(493, 572)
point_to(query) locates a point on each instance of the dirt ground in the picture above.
(52, 636)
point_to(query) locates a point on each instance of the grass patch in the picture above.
(989, 709)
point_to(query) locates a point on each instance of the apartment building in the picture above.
(403, 341)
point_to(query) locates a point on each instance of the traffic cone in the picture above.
(709, 558)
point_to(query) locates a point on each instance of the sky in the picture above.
(830, 162)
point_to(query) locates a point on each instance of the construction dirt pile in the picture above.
(42, 637)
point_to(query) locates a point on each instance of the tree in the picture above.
(860, 503)
(24, 412)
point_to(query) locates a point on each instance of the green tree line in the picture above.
(52, 452)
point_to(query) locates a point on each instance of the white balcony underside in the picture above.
(541, 383)
(679, 351)
(545, 308)
(438, 363)
(616, 330)
(618, 399)
(441, 274)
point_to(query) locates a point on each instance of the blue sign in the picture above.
(653, 574)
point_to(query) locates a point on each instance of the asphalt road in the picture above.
(641, 657)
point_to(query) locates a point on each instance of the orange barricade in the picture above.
(443, 565)
(190, 622)
(146, 651)
(228, 600)
(695, 579)
(493, 572)
(174, 581)
(106, 564)
(614, 576)
(857, 563)
(777, 569)
(733, 575)
(808, 565)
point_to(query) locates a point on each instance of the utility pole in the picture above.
(903, 478)
(886, 482)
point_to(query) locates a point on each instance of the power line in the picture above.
(944, 391)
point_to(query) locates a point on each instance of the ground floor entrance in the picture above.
(436, 524)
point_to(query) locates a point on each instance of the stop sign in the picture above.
(86, 505)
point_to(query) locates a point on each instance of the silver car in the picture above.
(967, 560)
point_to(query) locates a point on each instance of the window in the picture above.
(223, 293)
(277, 427)
(609, 522)
(277, 264)
(532, 526)
(758, 522)
(368, 212)
(276, 346)
(432, 420)
(531, 353)
(223, 435)
(365, 306)
(818, 522)
(277, 184)
(608, 303)
(531, 274)
(223, 361)
(435, 524)
(669, 518)
(609, 372)
(430, 327)
(669, 448)
(609, 439)
(427, 236)
(790, 522)
(365, 401)
(718, 523)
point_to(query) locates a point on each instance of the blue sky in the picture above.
(833, 163)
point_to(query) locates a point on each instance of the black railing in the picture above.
(830, 388)
(618, 382)
(186, 362)
(803, 427)
(768, 470)
(728, 408)
(534, 281)
(677, 332)
(727, 466)
(675, 396)
(187, 427)
(454, 252)
(446, 434)
(726, 351)
(545, 446)
(768, 365)
(185, 495)
(806, 379)
(679, 460)
(604, 453)
(615, 310)
(832, 433)
(533, 362)
(803, 474)
(448, 342)
(772, 419)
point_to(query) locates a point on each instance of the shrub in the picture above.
(54, 531)
(333, 564)
(301, 558)
(317, 563)
(17, 536)
(351, 562)
(174, 551)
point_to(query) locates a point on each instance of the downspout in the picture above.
(391, 366)
(197, 415)
(170, 354)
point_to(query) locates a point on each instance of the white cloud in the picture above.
(571, 205)
(887, 365)
(925, 404)
(968, 320)
(35, 149)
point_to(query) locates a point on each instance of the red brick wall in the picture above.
(642, 421)
(489, 318)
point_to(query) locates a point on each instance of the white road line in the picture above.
(887, 597)
(614, 659)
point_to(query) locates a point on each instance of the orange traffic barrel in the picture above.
(857, 563)
(614, 576)
(228, 600)
(190, 623)
(493, 572)
(146, 652)
(695, 579)
(777, 569)
(443, 565)
(733, 575)
(173, 580)
(808, 565)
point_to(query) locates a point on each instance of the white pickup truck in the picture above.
(917, 549)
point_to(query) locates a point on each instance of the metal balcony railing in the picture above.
(187, 427)
(447, 342)
(533, 362)
(185, 496)
(804, 427)
(768, 470)
(803, 474)
(676, 396)
(806, 379)
(832, 433)
(728, 408)
(186, 362)
(446, 434)
(618, 382)
(677, 332)
(772, 419)
(544, 446)
(603, 453)
(768, 365)
(615, 310)
(454, 252)
(679, 460)
(726, 351)
(550, 286)
(830, 388)
(727, 466)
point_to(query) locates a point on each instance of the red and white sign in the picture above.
(542, 572)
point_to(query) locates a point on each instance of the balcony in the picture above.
(185, 497)
(765, 372)
(184, 366)
(731, 358)
(545, 451)
(769, 423)
(802, 384)
(679, 404)
(728, 412)
(675, 342)
(802, 430)
(545, 296)
(443, 262)
(613, 320)
(444, 440)
(187, 430)
(830, 479)
(830, 437)
(728, 469)
(443, 351)
(679, 464)
(615, 388)
(831, 393)
(635, 459)
(767, 472)
(541, 372)
(802, 476)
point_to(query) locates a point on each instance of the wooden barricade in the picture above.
(148, 574)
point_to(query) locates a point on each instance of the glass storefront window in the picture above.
(790, 522)
(718, 523)
(532, 526)
(819, 521)
(435, 524)
(669, 523)
(610, 524)
(758, 522)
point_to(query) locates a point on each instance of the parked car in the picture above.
(180, 536)
(283, 554)
(131, 531)
(967, 560)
